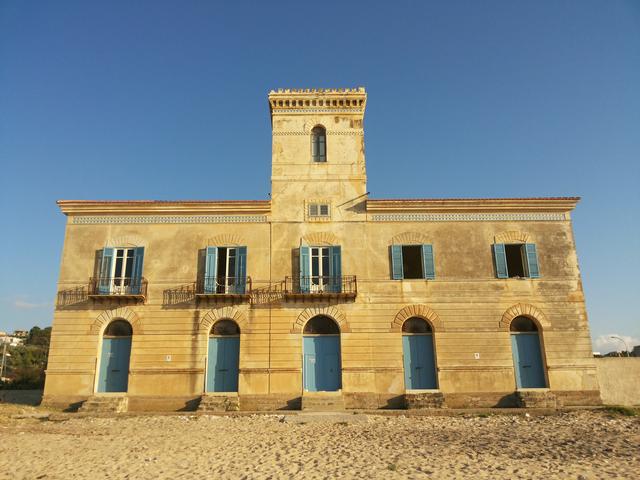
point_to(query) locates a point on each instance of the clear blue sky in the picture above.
(163, 99)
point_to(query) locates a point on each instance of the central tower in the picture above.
(317, 153)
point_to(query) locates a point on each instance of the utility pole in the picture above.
(626, 347)
(4, 356)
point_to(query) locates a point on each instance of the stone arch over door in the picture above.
(512, 236)
(524, 310)
(230, 313)
(331, 312)
(420, 311)
(320, 238)
(126, 241)
(225, 240)
(125, 313)
(409, 238)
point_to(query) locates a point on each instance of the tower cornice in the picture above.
(317, 100)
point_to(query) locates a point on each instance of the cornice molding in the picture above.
(317, 100)
(471, 217)
(467, 205)
(149, 207)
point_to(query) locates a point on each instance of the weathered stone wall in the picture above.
(619, 379)
(468, 307)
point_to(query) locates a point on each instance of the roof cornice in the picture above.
(317, 100)
(161, 207)
(463, 205)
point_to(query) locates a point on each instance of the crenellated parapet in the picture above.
(317, 100)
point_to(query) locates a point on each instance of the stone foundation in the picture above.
(480, 400)
(219, 403)
(372, 401)
(578, 398)
(538, 398)
(105, 404)
(323, 401)
(265, 403)
(418, 400)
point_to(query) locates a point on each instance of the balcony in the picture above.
(223, 288)
(321, 287)
(126, 288)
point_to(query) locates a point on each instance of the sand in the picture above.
(579, 445)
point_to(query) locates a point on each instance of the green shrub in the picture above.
(620, 410)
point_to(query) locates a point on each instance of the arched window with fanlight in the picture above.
(319, 144)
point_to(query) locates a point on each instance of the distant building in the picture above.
(12, 340)
(20, 333)
(636, 351)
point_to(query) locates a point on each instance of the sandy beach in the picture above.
(579, 445)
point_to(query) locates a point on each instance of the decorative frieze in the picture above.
(319, 110)
(304, 133)
(311, 100)
(469, 217)
(166, 219)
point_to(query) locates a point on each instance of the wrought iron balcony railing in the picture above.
(344, 285)
(223, 286)
(118, 287)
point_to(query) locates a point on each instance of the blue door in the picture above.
(527, 360)
(321, 369)
(222, 365)
(114, 365)
(419, 362)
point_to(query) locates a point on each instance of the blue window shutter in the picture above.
(210, 270)
(500, 258)
(305, 280)
(241, 270)
(532, 260)
(322, 147)
(335, 264)
(104, 279)
(428, 267)
(397, 272)
(136, 274)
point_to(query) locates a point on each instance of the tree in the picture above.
(39, 336)
(27, 363)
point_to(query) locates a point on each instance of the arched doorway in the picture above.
(223, 357)
(527, 354)
(418, 357)
(322, 370)
(114, 359)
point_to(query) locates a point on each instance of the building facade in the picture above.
(321, 294)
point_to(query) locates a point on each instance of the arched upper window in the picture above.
(118, 328)
(416, 325)
(225, 328)
(319, 144)
(321, 325)
(523, 324)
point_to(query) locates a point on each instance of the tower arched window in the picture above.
(319, 144)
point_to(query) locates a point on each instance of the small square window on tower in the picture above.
(318, 211)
